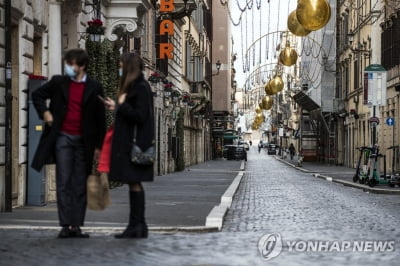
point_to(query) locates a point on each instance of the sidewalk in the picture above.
(338, 174)
(181, 199)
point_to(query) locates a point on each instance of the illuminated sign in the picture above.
(166, 27)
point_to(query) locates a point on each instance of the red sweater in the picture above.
(72, 121)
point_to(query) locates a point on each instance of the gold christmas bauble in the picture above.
(294, 25)
(288, 56)
(267, 102)
(313, 14)
(268, 89)
(258, 110)
(276, 84)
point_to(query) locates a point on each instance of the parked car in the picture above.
(234, 152)
(272, 148)
(264, 144)
(245, 144)
(240, 153)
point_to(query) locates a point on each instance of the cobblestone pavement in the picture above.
(272, 198)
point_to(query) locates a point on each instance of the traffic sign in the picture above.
(374, 119)
(390, 121)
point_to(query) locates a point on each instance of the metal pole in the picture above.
(8, 99)
(374, 126)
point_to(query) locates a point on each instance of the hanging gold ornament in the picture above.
(267, 102)
(268, 89)
(276, 84)
(294, 25)
(254, 127)
(313, 14)
(258, 110)
(288, 56)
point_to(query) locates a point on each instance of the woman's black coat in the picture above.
(136, 110)
(93, 118)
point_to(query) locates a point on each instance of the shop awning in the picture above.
(305, 101)
(231, 137)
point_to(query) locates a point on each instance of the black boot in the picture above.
(137, 227)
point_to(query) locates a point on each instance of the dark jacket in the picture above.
(136, 110)
(93, 118)
(292, 149)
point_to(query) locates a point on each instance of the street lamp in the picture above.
(356, 49)
(218, 65)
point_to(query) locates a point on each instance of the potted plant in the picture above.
(168, 88)
(154, 77)
(191, 103)
(186, 98)
(95, 29)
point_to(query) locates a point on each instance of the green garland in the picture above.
(103, 66)
(180, 161)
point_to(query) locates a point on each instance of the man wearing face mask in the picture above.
(73, 134)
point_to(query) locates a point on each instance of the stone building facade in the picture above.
(41, 30)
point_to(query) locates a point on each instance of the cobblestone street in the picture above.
(272, 198)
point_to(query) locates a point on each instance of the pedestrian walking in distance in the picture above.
(134, 108)
(259, 147)
(72, 136)
(292, 151)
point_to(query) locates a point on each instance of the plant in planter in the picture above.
(95, 29)
(186, 98)
(37, 77)
(175, 93)
(168, 88)
(191, 103)
(353, 112)
(155, 77)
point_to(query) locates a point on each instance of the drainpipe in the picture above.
(8, 99)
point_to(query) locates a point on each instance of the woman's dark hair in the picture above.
(78, 55)
(132, 67)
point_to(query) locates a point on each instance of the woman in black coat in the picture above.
(134, 108)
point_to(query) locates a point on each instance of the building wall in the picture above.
(2, 106)
(221, 49)
(43, 30)
(358, 47)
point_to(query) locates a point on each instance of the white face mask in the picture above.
(120, 72)
(69, 71)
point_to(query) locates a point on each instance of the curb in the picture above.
(215, 219)
(242, 165)
(359, 186)
(112, 229)
(294, 166)
(343, 182)
(227, 198)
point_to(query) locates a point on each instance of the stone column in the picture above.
(376, 32)
(55, 38)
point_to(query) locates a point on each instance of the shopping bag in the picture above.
(105, 155)
(98, 192)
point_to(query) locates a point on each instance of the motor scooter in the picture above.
(394, 178)
(375, 177)
(361, 171)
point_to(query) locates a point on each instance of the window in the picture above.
(189, 62)
(356, 75)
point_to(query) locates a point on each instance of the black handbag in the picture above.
(139, 157)
(147, 157)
